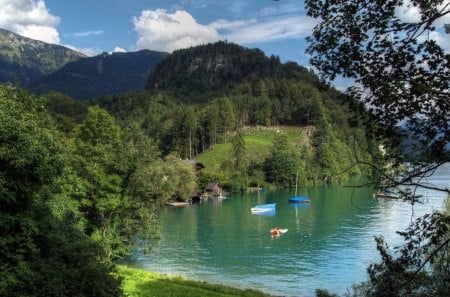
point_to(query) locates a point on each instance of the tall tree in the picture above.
(96, 161)
(284, 162)
(40, 254)
(239, 150)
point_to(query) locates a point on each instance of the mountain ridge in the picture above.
(101, 75)
(27, 60)
(217, 67)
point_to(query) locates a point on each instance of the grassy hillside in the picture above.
(139, 283)
(258, 142)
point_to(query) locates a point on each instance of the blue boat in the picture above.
(299, 199)
(264, 208)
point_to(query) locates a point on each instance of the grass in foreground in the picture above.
(140, 283)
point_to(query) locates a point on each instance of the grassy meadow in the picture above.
(140, 283)
(258, 143)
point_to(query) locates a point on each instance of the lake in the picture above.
(329, 243)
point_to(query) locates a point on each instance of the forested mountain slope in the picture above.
(200, 98)
(197, 73)
(105, 74)
(26, 60)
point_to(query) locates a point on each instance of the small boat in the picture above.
(299, 199)
(277, 231)
(221, 196)
(178, 204)
(264, 208)
(386, 193)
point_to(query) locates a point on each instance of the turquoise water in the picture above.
(329, 243)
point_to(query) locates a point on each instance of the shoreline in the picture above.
(141, 283)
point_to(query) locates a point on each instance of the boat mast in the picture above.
(296, 181)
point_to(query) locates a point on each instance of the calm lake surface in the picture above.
(329, 244)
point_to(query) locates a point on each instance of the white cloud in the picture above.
(408, 13)
(412, 14)
(89, 51)
(29, 18)
(160, 30)
(119, 50)
(255, 31)
(89, 33)
(281, 10)
(442, 39)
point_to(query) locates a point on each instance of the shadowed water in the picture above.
(329, 243)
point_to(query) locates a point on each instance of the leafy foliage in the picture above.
(402, 77)
(40, 254)
(422, 264)
(401, 74)
(284, 163)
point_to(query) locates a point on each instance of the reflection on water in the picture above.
(329, 243)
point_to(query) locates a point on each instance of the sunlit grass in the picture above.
(259, 142)
(140, 283)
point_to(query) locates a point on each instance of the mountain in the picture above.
(205, 70)
(26, 60)
(105, 74)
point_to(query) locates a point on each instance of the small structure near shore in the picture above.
(213, 189)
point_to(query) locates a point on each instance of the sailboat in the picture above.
(298, 199)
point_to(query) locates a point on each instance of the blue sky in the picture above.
(95, 26)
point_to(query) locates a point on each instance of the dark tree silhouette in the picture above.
(402, 75)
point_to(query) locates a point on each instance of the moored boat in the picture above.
(386, 193)
(264, 208)
(299, 199)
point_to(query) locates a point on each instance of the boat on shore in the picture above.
(386, 193)
(263, 208)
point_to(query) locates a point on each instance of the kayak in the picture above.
(277, 231)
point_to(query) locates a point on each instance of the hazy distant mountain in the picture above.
(105, 74)
(26, 60)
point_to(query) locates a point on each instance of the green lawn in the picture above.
(259, 142)
(140, 283)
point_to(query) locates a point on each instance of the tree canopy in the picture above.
(401, 73)
(41, 254)
(402, 78)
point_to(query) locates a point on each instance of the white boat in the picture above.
(386, 193)
(264, 208)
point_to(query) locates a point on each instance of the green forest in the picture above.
(81, 181)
